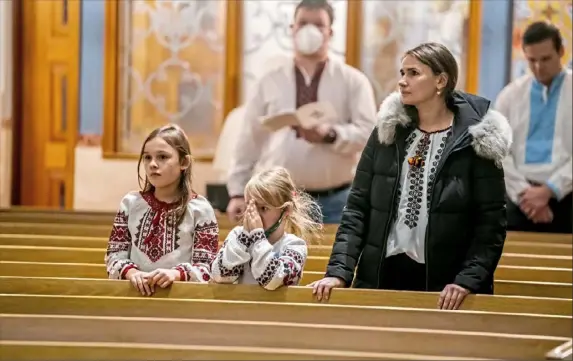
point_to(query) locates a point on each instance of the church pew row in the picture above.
(95, 255)
(84, 270)
(56, 255)
(35, 215)
(17, 214)
(356, 297)
(60, 328)
(58, 217)
(511, 246)
(471, 321)
(80, 351)
(81, 230)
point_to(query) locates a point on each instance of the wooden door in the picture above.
(50, 73)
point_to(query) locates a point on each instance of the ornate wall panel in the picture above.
(527, 11)
(170, 69)
(392, 27)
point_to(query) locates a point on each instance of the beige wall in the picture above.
(5, 162)
(100, 184)
(5, 102)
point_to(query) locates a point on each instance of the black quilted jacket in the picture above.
(467, 221)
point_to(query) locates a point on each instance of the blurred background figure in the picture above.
(539, 108)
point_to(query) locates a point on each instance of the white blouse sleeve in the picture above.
(273, 270)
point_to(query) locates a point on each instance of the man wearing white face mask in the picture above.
(322, 159)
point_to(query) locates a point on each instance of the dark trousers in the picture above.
(562, 218)
(401, 273)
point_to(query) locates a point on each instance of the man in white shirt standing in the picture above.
(321, 160)
(538, 107)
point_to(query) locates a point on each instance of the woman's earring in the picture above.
(439, 92)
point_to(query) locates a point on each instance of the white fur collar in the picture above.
(492, 136)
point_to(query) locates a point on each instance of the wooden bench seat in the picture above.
(512, 323)
(88, 217)
(97, 270)
(275, 335)
(313, 263)
(359, 297)
(79, 270)
(539, 248)
(120, 351)
(66, 229)
(35, 215)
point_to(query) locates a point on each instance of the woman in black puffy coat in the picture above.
(426, 211)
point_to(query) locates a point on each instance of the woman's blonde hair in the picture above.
(275, 188)
(173, 135)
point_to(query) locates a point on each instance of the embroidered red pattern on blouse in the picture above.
(206, 242)
(120, 239)
(157, 232)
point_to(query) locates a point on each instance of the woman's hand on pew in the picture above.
(139, 280)
(162, 277)
(321, 288)
(452, 297)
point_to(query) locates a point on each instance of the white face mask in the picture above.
(308, 39)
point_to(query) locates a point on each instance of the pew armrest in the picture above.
(561, 352)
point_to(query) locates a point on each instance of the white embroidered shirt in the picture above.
(249, 258)
(145, 236)
(408, 232)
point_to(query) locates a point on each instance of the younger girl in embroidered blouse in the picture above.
(264, 249)
(165, 232)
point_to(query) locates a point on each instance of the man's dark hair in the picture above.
(540, 31)
(315, 5)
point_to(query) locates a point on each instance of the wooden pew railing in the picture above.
(561, 352)
(350, 315)
(89, 351)
(511, 246)
(60, 328)
(65, 312)
(213, 310)
(358, 297)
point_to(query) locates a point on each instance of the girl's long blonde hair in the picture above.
(173, 135)
(275, 188)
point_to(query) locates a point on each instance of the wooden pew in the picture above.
(66, 229)
(472, 321)
(65, 328)
(79, 270)
(262, 324)
(97, 270)
(95, 255)
(99, 231)
(358, 297)
(35, 215)
(561, 352)
(120, 351)
(540, 248)
(105, 220)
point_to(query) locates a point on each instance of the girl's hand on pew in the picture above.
(162, 278)
(139, 280)
(321, 288)
(452, 297)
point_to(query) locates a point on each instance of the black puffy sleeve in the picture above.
(352, 231)
(490, 222)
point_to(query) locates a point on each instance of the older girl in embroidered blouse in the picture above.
(165, 232)
(265, 249)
